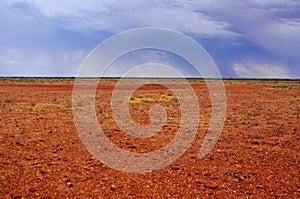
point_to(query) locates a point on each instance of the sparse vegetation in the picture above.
(258, 145)
(285, 86)
(162, 97)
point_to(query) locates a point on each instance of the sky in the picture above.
(246, 39)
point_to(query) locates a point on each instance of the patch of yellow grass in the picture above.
(152, 98)
(102, 116)
(57, 104)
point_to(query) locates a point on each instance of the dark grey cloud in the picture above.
(273, 26)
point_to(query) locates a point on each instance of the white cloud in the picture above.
(260, 70)
(150, 60)
(115, 16)
(39, 62)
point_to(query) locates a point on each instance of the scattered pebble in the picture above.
(212, 186)
(19, 144)
(259, 186)
(113, 187)
(254, 142)
(175, 168)
(206, 174)
(70, 184)
(239, 177)
(16, 196)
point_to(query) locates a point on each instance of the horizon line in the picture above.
(200, 78)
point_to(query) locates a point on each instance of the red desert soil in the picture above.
(257, 154)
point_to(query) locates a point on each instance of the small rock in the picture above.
(19, 144)
(32, 189)
(198, 181)
(254, 142)
(113, 187)
(175, 168)
(70, 184)
(104, 179)
(132, 147)
(212, 186)
(206, 174)
(239, 177)
(83, 193)
(16, 196)
(259, 186)
(27, 158)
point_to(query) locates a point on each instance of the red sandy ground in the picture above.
(256, 156)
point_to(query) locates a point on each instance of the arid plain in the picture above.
(256, 156)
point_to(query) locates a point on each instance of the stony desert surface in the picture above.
(256, 156)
